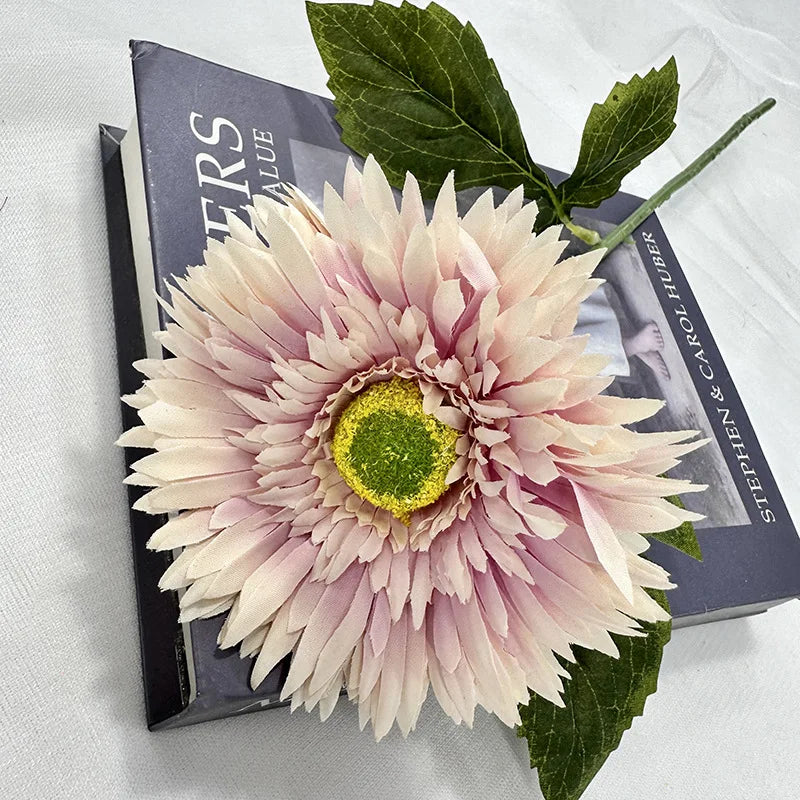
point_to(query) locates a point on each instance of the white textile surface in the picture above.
(726, 721)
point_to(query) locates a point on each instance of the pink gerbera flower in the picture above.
(391, 456)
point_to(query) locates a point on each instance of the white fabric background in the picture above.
(726, 721)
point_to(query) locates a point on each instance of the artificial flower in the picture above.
(392, 458)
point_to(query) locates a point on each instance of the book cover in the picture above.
(207, 138)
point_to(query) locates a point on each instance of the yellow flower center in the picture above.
(390, 452)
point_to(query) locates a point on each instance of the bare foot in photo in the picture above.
(655, 361)
(647, 340)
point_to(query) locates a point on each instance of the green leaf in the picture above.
(415, 88)
(683, 537)
(569, 745)
(636, 118)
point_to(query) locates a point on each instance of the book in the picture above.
(204, 140)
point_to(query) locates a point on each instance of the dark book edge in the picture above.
(164, 670)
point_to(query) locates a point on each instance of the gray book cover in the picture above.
(209, 139)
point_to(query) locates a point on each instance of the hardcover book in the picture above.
(207, 138)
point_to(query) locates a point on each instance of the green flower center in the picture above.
(390, 452)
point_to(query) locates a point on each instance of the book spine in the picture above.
(163, 660)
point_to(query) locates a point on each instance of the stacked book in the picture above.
(204, 141)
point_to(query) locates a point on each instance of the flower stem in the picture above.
(625, 228)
